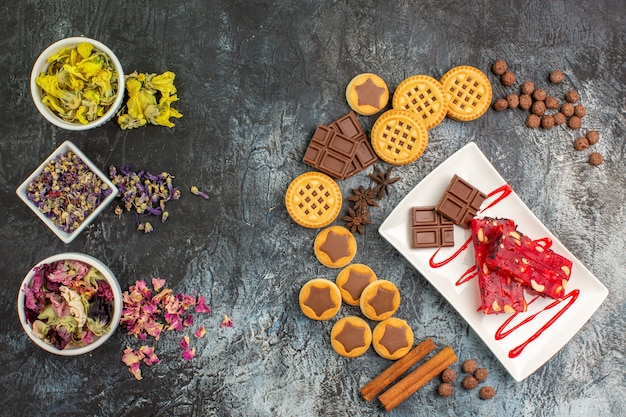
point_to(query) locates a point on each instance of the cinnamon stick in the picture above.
(395, 371)
(417, 378)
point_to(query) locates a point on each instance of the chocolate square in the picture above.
(460, 202)
(429, 229)
(348, 125)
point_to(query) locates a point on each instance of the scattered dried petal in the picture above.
(189, 354)
(200, 332)
(194, 190)
(226, 322)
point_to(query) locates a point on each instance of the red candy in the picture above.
(499, 292)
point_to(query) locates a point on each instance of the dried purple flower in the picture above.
(67, 191)
(194, 190)
(144, 193)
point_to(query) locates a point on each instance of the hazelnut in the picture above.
(469, 366)
(538, 108)
(527, 87)
(547, 121)
(470, 382)
(525, 101)
(559, 118)
(486, 393)
(593, 137)
(572, 96)
(500, 104)
(579, 110)
(448, 375)
(567, 109)
(552, 103)
(540, 94)
(557, 76)
(481, 374)
(533, 121)
(513, 100)
(444, 389)
(574, 122)
(508, 78)
(581, 143)
(499, 67)
(596, 159)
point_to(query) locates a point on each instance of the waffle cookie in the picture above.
(399, 136)
(313, 200)
(380, 300)
(320, 299)
(351, 336)
(392, 338)
(335, 246)
(423, 95)
(352, 280)
(469, 93)
(367, 94)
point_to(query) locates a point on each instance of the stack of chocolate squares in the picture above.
(340, 149)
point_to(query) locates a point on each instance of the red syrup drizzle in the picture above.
(468, 275)
(501, 333)
(434, 264)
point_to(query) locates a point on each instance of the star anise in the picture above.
(383, 181)
(362, 199)
(356, 221)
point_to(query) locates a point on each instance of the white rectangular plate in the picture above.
(522, 342)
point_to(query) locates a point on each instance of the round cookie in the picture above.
(367, 94)
(335, 246)
(352, 280)
(423, 95)
(320, 299)
(469, 93)
(399, 136)
(351, 336)
(392, 338)
(380, 300)
(313, 200)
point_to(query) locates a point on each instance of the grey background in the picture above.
(254, 81)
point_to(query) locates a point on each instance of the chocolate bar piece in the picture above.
(460, 202)
(430, 229)
(340, 149)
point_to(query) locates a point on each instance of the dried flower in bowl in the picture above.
(67, 191)
(70, 304)
(77, 83)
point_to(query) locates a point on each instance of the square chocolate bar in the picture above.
(460, 202)
(340, 149)
(430, 229)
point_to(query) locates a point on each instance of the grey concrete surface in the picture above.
(254, 80)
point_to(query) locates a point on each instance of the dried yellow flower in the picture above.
(80, 83)
(143, 107)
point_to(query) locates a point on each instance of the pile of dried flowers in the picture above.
(149, 100)
(144, 193)
(150, 312)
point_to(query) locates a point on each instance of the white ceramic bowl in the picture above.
(41, 65)
(67, 237)
(117, 306)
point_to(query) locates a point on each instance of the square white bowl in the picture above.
(66, 237)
